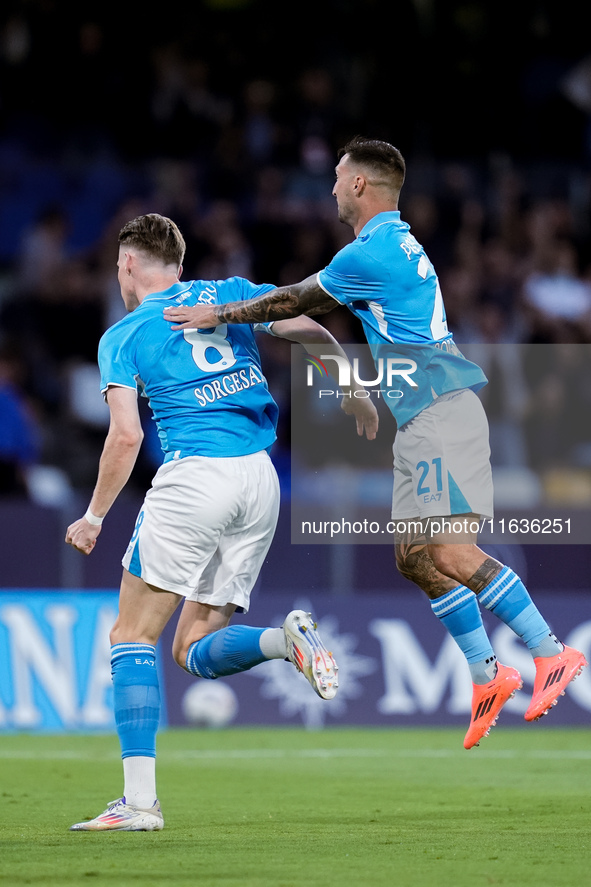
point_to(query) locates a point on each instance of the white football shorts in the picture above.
(205, 527)
(442, 460)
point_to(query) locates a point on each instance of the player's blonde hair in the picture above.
(157, 236)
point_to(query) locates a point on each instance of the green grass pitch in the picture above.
(292, 808)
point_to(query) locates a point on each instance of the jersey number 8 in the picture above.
(211, 350)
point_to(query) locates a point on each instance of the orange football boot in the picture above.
(488, 700)
(553, 673)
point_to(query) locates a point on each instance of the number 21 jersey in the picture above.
(385, 278)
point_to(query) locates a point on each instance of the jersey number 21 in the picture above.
(438, 324)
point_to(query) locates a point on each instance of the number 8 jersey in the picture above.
(206, 388)
(385, 278)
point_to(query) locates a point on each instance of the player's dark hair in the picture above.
(380, 158)
(157, 236)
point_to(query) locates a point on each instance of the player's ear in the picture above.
(128, 263)
(180, 272)
(359, 185)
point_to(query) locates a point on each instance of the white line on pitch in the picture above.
(196, 755)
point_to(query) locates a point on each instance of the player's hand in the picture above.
(198, 317)
(82, 536)
(366, 415)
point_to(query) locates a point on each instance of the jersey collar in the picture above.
(172, 292)
(377, 220)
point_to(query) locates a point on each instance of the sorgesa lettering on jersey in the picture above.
(228, 384)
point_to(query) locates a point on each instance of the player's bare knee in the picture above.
(115, 634)
(451, 560)
(181, 646)
(180, 649)
(405, 564)
(180, 657)
(443, 557)
(415, 564)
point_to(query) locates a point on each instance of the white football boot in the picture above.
(309, 655)
(123, 817)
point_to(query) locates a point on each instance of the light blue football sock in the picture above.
(227, 651)
(507, 597)
(136, 698)
(459, 612)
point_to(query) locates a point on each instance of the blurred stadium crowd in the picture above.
(228, 118)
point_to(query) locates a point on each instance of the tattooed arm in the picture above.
(306, 297)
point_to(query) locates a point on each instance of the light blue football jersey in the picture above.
(385, 278)
(206, 388)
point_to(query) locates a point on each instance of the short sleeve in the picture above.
(116, 361)
(351, 276)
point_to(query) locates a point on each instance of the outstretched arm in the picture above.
(119, 454)
(306, 297)
(319, 342)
